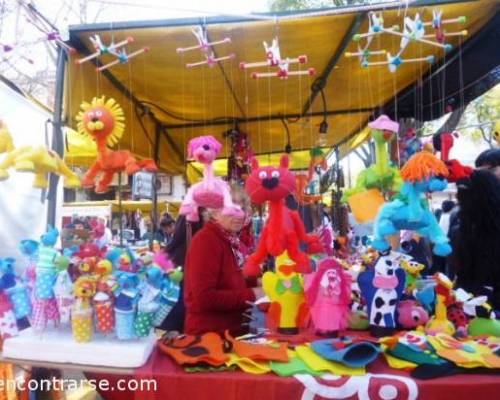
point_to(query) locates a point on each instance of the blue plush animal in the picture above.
(126, 290)
(46, 271)
(423, 173)
(7, 276)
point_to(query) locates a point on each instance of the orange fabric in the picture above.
(259, 352)
(365, 205)
(190, 349)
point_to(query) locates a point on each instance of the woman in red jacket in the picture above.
(215, 291)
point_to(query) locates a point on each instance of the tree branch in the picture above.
(452, 122)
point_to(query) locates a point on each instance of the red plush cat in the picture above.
(284, 229)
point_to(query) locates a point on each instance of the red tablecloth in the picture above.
(173, 383)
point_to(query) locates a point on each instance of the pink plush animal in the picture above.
(211, 192)
(328, 294)
(411, 314)
(162, 260)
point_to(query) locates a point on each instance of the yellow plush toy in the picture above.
(39, 160)
(440, 323)
(285, 288)
(81, 312)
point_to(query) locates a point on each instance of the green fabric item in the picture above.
(484, 326)
(407, 353)
(295, 287)
(292, 367)
(143, 323)
(210, 368)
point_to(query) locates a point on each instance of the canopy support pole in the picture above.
(156, 157)
(57, 134)
(320, 82)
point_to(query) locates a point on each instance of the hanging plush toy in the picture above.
(423, 173)
(381, 175)
(328, 293)
(382, 287)
(103, 121)
(238, 163)
(211, 192)
(285, 289)
(284, 229)
(443, 142)
(317, 164)
(407, 146)
(35, 159)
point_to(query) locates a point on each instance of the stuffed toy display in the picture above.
(103, 121)
(317, 164)
(38, 160)
(285, 289)
(328, 292)
(410, 211)
(381, 175)
(284, 229)
(211, 192)
(238, 163)
(407, 146)
(382, 287)
(443, 142)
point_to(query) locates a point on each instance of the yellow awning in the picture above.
(178, 96)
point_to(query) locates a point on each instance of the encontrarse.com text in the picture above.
(56, 384)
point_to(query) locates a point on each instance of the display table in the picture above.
(380, 382)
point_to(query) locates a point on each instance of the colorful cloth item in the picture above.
(192, 350)
(258, 352)
(294, 366)
(124, 324)
(143, 323)
(248, 365)
(466, 353)
(21, 304)
(319, 364)
(46, 260)
(44, 285)
(8, 325)
(43, 312)
(105, 316)
(82, 325)
(354, 355)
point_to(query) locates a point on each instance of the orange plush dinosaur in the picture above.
(103, 121)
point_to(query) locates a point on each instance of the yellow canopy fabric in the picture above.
(129, 205)
(177, 95)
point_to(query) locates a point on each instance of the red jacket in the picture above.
(215, 291)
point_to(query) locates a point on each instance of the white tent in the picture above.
(23, 215)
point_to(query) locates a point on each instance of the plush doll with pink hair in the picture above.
(211, 192)
(328, 293)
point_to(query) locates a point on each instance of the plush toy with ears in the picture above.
(284, 229)
(443, 142)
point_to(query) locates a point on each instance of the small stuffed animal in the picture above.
(411, 314)
(412, 269)
(328, 293)
(439, 323)
(382, 286)
(284, 229)
(285, 289)
(211, 192)
(81, 311)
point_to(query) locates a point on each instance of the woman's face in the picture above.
(232, 223)
(228, 222)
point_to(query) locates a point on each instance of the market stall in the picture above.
(345, 314)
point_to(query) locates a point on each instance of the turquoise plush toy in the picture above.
(46, 270)
(423, 173)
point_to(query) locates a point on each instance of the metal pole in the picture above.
(120, 208)
(156, 157)
(57, 134)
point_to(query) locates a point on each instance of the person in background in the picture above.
(176, 250)
(476, 258)
(167, 228)
(215, 290)
(439, 263)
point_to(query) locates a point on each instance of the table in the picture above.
(173, 383)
